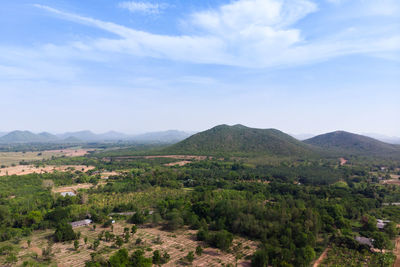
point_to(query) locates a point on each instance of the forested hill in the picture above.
(26, 137)
(349, 143)
(239, 139)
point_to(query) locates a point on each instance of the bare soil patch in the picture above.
(72, 188)
(321, 258)
(343, 161)
(178, 163)
(72, 152)
(10, 158)
(176, 244)
(394, 181)
(28, 169)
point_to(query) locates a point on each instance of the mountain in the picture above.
(48, 136)
(3, 133)
(71, 139)
(81, 135)
(239, 139)
(354, 144)
(22, 137)
(112, 135)
(171, 136)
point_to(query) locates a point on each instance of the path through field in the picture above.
(321, 258)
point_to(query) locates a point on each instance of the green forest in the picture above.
(292, 209)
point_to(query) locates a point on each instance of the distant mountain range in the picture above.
(384, 138)
(232, 140)
(171, 136)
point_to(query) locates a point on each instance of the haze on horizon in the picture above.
(300, 66)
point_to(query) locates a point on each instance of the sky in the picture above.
(301, 66)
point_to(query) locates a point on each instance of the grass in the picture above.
(9, 158)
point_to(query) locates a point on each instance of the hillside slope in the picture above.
(354, 144)
(22, 137)
(239, 139)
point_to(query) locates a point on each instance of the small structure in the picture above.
(391, 204)
(81, 223)
(380, 224)
(68, 193)
(365, 241)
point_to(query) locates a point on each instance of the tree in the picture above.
(381, 241)
(199, 250)
(96, 244)
(190, 257)
(76, 245)
(157, 257)
(174, 222)
(64, 232)
(137, 259)
(138, 218)
(119, 241)
(391, 230)
(222, 240)
(126, 237)
(119, 259)
(134, 229)
(260, 259)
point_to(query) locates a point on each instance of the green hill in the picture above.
(240, 140)
(21, 137)
(354, 144)
(27, 137)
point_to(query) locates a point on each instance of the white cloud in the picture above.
(143, 7)
(246, 33)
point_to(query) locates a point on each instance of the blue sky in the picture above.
(301, 66)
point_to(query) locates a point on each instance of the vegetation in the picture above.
(240, 140)
(293, 208)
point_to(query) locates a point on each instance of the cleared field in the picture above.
(9, 158)
(176, 244)
(178, 163)
(72, 188)
(28, 169)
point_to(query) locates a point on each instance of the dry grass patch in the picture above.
(177, 244)
(28, 169)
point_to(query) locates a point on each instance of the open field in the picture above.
(9, 158)
(72, 188)
(176, 244)
(28, 169)
(178, 163)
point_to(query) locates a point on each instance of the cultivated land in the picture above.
(239, 206)
(177, 244)
(9, 158)
(28, 169)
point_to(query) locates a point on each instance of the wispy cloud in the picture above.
(143, 7)
(246, 33)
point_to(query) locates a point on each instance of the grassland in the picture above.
(15, 158)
